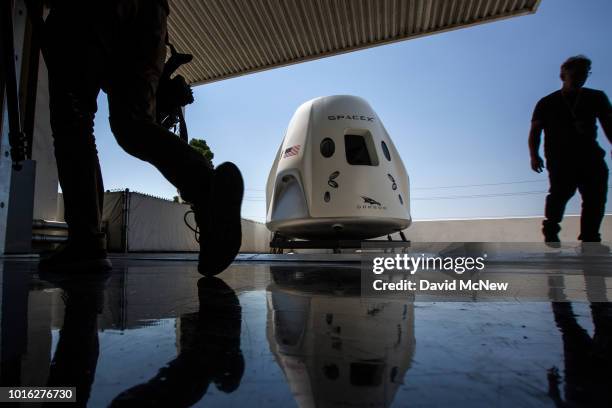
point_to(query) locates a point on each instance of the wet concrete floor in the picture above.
(156, 333)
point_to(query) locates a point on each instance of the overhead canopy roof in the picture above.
(235, 37)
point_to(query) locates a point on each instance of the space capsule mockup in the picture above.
(337, 174)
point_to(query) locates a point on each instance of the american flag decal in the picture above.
(291, 151)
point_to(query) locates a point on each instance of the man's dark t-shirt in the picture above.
(569, 121)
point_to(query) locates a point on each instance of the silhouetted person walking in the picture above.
(119, 46)
(574, 159)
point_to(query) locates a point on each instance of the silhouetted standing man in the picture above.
(119, 46)
(574, 159)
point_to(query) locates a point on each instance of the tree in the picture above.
(202, 147)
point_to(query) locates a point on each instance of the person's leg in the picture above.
(562, 188)
(74, 82)
(210, 352)
(216, 196)
(132, 89)
(602, 320)
(593, 186)
(76, 355)
(577, 349)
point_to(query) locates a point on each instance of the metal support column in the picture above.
(17, 172)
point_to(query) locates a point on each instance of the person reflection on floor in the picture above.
(587, 360)
(209, 352)
(76, 355)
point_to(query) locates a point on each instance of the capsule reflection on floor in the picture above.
(336, 348)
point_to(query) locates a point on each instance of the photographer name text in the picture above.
(447, 286)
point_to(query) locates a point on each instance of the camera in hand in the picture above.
(174, 93)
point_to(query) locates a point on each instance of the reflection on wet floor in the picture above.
(158, 334)
(335, 348)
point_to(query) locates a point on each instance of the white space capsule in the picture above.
(337, 174)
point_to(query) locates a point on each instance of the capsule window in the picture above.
(328, 147)
(366, 374)
(360, 150)
(385, 150)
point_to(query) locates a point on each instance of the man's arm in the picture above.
(606, 125)
(535, 138)
(605, 116)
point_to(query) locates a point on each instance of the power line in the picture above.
(502, 183)
(447, 197)
(456, 197)
(480, 185)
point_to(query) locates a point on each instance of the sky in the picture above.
(457, 106)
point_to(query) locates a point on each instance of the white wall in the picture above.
(157, 225)
(519, 229)
(255, 237)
